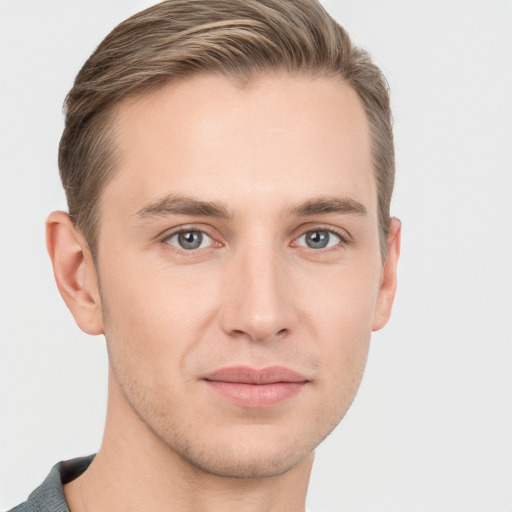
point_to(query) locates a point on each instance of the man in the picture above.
(228, 167)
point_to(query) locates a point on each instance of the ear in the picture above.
(74, 272)
(388, 279)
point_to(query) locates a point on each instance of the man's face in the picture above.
(239, 267)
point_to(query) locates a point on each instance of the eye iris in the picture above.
(190, 239)
(317, 239)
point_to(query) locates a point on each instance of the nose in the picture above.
(258, 303)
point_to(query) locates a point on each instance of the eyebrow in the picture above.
(326, 205)
(183, 205)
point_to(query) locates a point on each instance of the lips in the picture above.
(256, 388)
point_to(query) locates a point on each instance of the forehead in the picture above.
(281, 138)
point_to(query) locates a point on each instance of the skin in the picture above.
(253, 294)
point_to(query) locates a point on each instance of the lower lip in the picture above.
(256, 395)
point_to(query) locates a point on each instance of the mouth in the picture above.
(256, 388)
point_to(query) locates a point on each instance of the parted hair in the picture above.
(179, 39)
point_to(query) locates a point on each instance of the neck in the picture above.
(135, 470)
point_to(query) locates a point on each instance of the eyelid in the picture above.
(205, 239)
(331, 243)
(345, 237)
(169, 233)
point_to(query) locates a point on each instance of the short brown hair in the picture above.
(177, 39)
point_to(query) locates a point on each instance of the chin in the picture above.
(249, 451)
(256, 462)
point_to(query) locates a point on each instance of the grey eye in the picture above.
(189, 240)
(318, 239)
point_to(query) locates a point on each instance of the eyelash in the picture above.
(345, 238)
(187, 229)
(341, 234)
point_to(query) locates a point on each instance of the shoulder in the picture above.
(49, 496)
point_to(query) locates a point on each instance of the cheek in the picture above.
(149, 318)
(347, 344)
(341, 311)
(342, 299)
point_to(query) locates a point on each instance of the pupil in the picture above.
(190, 239)
(317, 239)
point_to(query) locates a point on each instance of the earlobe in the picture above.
(388, 282)
(74, 271)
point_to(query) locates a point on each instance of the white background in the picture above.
(431, 427)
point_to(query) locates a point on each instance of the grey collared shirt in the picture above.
(49, 496)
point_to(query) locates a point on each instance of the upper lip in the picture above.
(248, 375)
